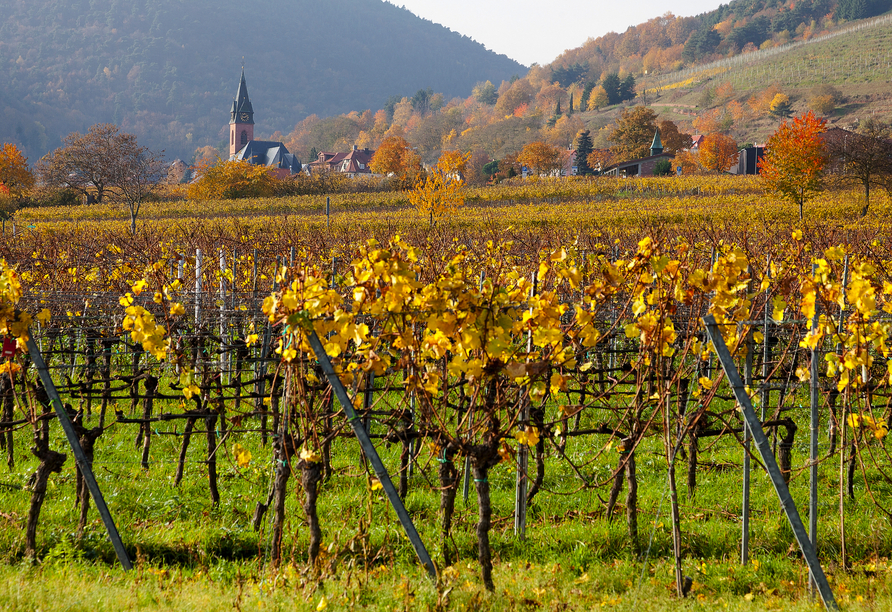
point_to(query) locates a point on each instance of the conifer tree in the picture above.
(583, 150)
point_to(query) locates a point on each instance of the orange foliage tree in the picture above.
(14, 171)
(396, 157)
(541, 157)
(795, 159)
(718, 153)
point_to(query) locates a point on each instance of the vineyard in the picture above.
(535, 372)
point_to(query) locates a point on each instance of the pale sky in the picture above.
(537, 32)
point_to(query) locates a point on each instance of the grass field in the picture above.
(191, 555)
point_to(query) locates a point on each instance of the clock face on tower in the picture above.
(245, 116)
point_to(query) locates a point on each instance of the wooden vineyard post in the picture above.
(197, 288)
(814, 425)
(466, 487)
(79, 456)
(523, 453)
(747, 469)
(369, 451)
(764, 448)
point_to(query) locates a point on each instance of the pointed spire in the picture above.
(243, 112)
(656, 146)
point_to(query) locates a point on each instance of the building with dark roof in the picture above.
(242, 145)
(643, 166)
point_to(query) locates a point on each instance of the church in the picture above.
(242, 145)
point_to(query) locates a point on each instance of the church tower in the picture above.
(241, 121)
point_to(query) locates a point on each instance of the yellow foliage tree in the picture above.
(439, 191)
(228, 180)
(597, 98)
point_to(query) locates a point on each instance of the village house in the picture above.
(352, 164)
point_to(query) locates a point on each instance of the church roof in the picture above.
(242, 101)
(657, 143)
(270, 154)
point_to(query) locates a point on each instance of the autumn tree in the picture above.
(632, 133)
(96, 163)
(795, 159)
(597, 98)
(689, 162)
(140, 172)
(718, 153)
(541, 158)
(228, 180)
(396, 157)
(861, 158)
(15, 174)
(438, 192)
(825, 98)
(518, 93)
(673, 140)
(780, 105)
(599, 159)
(15, 179)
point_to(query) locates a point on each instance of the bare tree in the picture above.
(140, 172)
(102, 163)
(861, 158)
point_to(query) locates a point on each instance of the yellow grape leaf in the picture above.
(376, 484)
(242, 455)
(44, 316)
(529, 436)
(138, 286)
(177, 309)
(323, 603)
(191, 390)
(310, 456)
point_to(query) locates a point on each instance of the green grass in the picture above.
(190, 555)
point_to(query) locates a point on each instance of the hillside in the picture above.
(668, 43)
(167, 70)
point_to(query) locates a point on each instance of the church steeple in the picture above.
(656, 147)
(241, 119)
(242, 111)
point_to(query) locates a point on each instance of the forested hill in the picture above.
(167, 70)
(669, 42)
